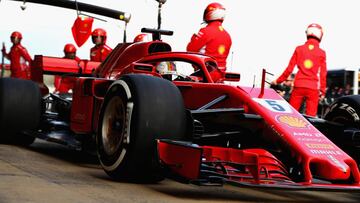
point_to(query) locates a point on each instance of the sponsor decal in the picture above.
(308, 64)
(292, 121)
(319, 146)
(221, 49)
(325, 152)
(278, 106)
(350, 110)
(305, 134)
(79, 116)
(307, 139)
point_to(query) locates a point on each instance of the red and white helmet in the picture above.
(141, 38)
(16, 34)
(314, 30)
(214, 11)
(69, 48)
(166, 67)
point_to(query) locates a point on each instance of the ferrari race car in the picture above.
(151, 112)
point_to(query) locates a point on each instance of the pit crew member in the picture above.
(310, 80)
(63, 84)
(100, 51)
(19, 57)
(213, 39)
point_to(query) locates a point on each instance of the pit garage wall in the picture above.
(341, 77)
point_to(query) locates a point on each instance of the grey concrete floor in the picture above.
(46, 172)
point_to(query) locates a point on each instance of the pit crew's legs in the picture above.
(312, 101)
(311, 97)
(296, 98)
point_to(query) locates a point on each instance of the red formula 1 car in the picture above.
(153, 112)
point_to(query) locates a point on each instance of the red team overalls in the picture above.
(99, 53)
(18, 57)
(212, 40)
(311, 61)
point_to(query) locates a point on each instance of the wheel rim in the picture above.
(113, 129)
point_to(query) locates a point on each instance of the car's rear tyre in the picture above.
(137, 110)
(20, 109)
(346, 111)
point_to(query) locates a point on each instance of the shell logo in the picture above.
(221, 49)
(308, 64)
(311, 46)
(292, 121)
(221, 28)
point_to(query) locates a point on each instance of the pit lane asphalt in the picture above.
(46, 172)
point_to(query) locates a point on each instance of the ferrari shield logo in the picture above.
(81, 29)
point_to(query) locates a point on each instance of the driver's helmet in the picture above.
(314, 30)
(166, 67)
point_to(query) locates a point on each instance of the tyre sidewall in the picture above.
(347, 108)
(106, 160)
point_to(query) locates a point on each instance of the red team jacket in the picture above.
(310, 59)
(99, 53)
(18, 56)
(212, 40)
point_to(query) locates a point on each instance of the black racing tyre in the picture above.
(23, 139)
(137, 110)
(345, 110)
(20, 109)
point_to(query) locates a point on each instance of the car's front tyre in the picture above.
(137, 110)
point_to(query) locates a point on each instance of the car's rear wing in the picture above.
(46, 65)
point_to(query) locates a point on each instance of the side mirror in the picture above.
(232, 77)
